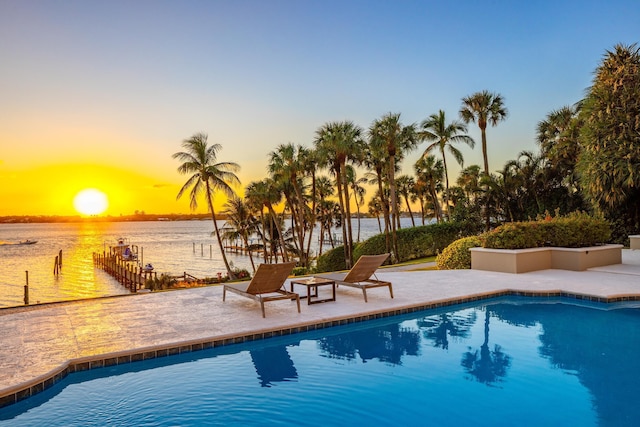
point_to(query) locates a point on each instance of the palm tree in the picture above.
(266, 194)
(483, 108)
(208, 176)
(376, 161)
(323, 211)
(388, 132)
(375, 209)
(337, 143)
(430, 172)
(443, 135)
(469, 181)
(241, 222)
(358, 192)
(287, 164)
(405, 189)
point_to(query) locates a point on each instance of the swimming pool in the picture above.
(509, 362)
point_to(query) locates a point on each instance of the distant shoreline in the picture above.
(34, 219)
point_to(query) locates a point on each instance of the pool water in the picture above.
(505, 363)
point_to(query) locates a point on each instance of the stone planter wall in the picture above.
(533, 259)
(634, 241)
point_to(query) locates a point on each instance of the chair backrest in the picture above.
(365, 267)
(269, 277)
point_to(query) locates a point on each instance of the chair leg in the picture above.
(224, 293)
(364, 291)
(298, 302)
(262, 308)
(390, 290)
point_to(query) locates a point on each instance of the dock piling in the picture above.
(26, 289)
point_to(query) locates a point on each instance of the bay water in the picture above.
(172, 247)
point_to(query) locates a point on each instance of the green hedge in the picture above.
(457, 255)
(573, 231)
(413, 243)
(332, 260)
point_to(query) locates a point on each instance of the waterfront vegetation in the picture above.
(588, 161)
(575, 230)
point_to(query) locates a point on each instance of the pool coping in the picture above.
(27, 389)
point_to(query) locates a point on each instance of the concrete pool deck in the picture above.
(39, 345)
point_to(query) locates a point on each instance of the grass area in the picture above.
(416, 262)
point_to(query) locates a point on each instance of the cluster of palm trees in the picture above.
(314, 200)
(588, 156)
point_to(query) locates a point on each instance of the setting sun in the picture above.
(90, 202)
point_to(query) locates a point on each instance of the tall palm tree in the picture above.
(443, 136)
(390, 133)
(483, 108)
(287, 163)
(376, 162)
(208, 176)
(310, 163)
(337, 143)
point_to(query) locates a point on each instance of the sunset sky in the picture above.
(100, 94)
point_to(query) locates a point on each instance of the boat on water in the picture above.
(27, 242)
(125, 250)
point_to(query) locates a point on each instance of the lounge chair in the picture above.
(266, 285)
(360, 274)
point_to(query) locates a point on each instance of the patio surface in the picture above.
(39, 345)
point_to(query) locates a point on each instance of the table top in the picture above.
(313, 281)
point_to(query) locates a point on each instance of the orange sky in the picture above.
(50, 190)
(101, 94)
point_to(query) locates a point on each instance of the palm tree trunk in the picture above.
(446, 180)
(263, 234)
(394, 208)
(345, 188)
(285, 257)
(385, 212)
(246, 245)
(215, 226)
(313, 213)
(410, 213)
(347, 251)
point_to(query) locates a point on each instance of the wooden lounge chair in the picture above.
(360, 274)
(266, 285)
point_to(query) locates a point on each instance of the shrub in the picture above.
(332, 260)
(165, 281)
(457, 255)
(300, 271)
(574, 230)
(413, 243)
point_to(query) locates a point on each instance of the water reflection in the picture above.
(600, 347)
(273, 364)
(439, 328)
(386, 343)
(486, 365)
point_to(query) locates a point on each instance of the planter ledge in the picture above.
(533, 259)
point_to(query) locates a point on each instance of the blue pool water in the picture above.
(505, 363)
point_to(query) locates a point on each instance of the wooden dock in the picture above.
(129, 274)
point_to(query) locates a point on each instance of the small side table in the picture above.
(312, 285)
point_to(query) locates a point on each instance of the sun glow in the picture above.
(91, 202)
